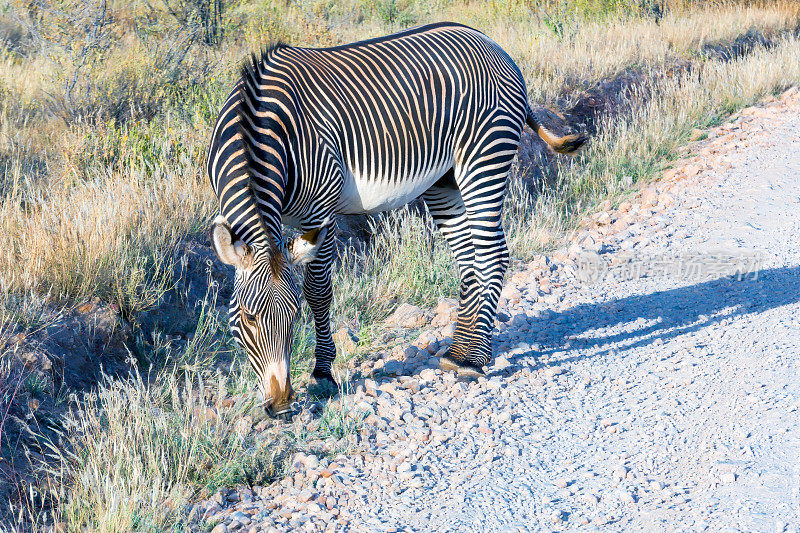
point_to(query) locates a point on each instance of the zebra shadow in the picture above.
(658, 317)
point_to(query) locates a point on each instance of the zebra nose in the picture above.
(282, 405)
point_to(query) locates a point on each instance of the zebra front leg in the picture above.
(318, 292)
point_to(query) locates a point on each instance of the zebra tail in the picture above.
(566, 144)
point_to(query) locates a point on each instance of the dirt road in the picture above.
(646, 380)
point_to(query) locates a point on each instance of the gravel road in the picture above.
(647, 378)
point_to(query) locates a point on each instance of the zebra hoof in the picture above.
(463, 369)
(284, 412)
(322, 386)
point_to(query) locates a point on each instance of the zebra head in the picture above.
(265, 304)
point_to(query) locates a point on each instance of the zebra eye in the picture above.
(250, 318)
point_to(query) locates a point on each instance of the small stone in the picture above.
(446, 311)
(603, 219)
(428, 374)
(449, 330)
(511, 293)
(346, 339)
(305, 496)
(552, 372)
(591, 499)
(501, 363)
(728, 477)
(393, 368)
(219, 528)
(649, 197)
(407, 316)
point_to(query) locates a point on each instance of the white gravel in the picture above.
(627, 403)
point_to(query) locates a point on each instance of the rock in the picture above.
(649, 197)
(553, 371)
(501, 363)
(603, 219)
(409, 352)
(407, 316)
(591, 499)
(428, 374)
(445, 312)
(219, 528)
(449, 330)
(511, 293)
(346, 340)
(241, 517)
(728, 477)
(620, 472)
(424, 340)
(243, 426)
(393, 368)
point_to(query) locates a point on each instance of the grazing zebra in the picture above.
(434, 111)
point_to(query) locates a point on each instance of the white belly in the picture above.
(362, 195)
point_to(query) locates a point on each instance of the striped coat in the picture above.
(435, 111)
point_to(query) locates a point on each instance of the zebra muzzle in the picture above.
(283, 403)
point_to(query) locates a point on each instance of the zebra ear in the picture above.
(236, 253)
(304, 248)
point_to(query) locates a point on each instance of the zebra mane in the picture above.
(251, 75)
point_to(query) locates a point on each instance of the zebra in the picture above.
(309, 133)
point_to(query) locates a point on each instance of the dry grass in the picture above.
(96, 195)
(92, 208)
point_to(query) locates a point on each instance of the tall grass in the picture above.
(634, 147)
(407, 260)
(92, 207)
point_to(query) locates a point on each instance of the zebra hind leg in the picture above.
(318, 293)
(447, 210)
(483, 185)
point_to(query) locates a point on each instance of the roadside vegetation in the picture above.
(105, 112)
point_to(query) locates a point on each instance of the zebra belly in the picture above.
(361, 195)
